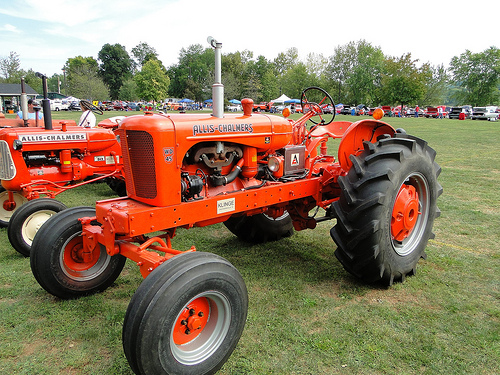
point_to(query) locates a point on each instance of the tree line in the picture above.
(357, 73)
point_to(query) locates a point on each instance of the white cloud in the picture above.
(10, 29)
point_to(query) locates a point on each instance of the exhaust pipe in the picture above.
(217, 87)
(24, 103)
(47, 115)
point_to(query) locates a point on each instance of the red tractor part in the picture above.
(44, 162)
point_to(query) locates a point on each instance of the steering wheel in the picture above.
(319, 101)
(88, 106)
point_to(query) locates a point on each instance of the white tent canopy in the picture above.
(281, 99)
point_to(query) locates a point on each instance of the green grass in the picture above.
(306, 314)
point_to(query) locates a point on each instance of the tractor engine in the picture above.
(59, 155)
(175, 158)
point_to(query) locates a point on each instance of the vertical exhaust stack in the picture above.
(24, 103)
(217, 87)
(47, 115)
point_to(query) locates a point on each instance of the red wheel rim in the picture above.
(75, 259)
(191, 321)
(405, 212)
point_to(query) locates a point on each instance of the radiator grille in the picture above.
(138, 155)
(7, 166)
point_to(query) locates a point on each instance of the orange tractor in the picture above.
(37, 163)
(263, 176)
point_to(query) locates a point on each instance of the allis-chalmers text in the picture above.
(222, 128)
(51, 137)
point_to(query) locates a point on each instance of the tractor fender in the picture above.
(357, 133)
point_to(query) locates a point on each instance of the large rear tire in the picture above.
(57, 259)
(387, 209)
(186, 317)
(261, 227)
(28, 219)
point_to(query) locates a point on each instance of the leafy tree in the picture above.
(56, 83)
(402, 82)
(283, 62)
(83, 80)
(264, 79)
(10, 67)
(152, 83)
(477, 75)
(115, 67)
(354, 70)
(128, 91)
(73, 68)
(436, 86)
(142, 53)
(86, 84)
(286, 60)
(296, 79)
(193, 76)
(31, 79)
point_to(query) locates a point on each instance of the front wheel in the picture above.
(186, 317)
(28, 219)
(61, 265)
(387, 209)
(8, 208)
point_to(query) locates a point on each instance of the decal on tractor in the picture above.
(44, 137)
(226, 205)
(168, 154)
(222, 128)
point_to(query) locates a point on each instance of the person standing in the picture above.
(31, 111)
(87, 119)
(416, 111)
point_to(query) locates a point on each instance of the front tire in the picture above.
(186, 317)
(387, 209)
(5, 211)
(28, 219)
(59, 263)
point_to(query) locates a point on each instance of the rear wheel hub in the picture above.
(405, 212)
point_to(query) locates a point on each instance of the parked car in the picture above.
(59, 105)
(456, 111)
(431, 112)
(484, 113)
(119, 106)
(133, 106)
(326, 109)
(234, 108)
(346, 110)
(386, 109)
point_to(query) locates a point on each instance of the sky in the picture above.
(46, 33)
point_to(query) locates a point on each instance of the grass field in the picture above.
(306, 314)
